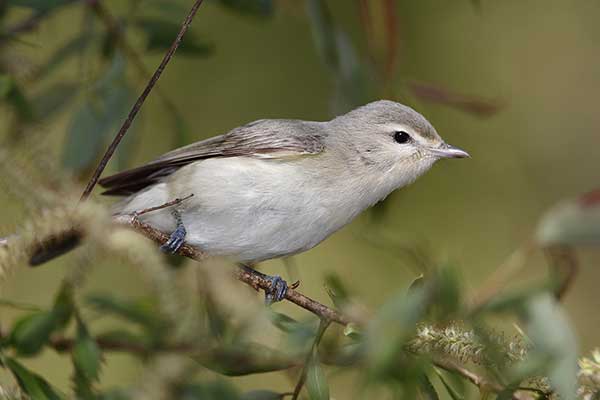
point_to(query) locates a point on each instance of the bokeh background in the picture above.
(515, 83)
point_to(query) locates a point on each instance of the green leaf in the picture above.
(573, 222)
(447, 293)
(63, 306)
(338, 53)
(353, 331)
(259, 8)
(31, 383)
(140, 312)
(103, 109)
(161, 33)
(86, 354)
(392, 327)
(32, 332)
(283, 322)
(244, 359)
(451, 391)
(427, 390)
(316, 383)
(550, 331)
(261, 395)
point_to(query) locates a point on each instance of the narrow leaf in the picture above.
(573, 222)
(544, 315)
(316, 383)
(87, 356)
(451, 391)
(31, 383)
(427, 390)
(245, 359)
(104, 108)
(142, 313)
(32, 332)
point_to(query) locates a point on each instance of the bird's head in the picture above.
(392, 139)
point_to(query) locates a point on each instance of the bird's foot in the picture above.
(177, 238)
(175, 241)
(277, 290)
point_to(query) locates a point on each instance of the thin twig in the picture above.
(140, 101)
(166, 205)
(323, 324)
(253, 279)
(483, 384)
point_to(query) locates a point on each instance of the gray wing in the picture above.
(263, 138)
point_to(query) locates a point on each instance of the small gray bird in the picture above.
(273, 188)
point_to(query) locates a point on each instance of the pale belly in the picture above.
(252, 210)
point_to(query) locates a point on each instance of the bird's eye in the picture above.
(401, 137)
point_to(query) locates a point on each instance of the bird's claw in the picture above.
(175, 241)
(277, 290)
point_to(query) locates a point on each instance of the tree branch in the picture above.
(482, 383)
(140, 101)
(245, 275)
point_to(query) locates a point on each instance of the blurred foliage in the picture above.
(199, 329)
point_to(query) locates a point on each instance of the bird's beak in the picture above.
(447, 151)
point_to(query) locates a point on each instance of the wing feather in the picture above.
(263, 138)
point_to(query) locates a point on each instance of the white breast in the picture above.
(256, 209)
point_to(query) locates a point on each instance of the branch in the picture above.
(246, 275)
(483, 384)
(140, 101)
(166, 205)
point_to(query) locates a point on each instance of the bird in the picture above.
(277, 187)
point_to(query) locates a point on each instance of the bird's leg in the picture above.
(278, 287)
(177, 237)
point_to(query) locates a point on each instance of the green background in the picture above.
(540, 58)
